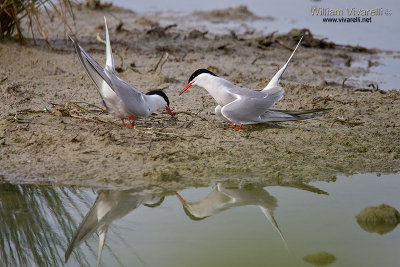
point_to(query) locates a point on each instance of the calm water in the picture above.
(223, 225)
(381, 32)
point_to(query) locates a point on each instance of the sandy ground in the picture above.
(41, 142)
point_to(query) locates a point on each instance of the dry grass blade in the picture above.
(8, 16)
(160, 62)
(83, 110)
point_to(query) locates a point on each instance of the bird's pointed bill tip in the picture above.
(184, 203)
(169, 111)
(186, 87)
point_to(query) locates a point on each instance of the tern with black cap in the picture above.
(245, 106)
(121, 99)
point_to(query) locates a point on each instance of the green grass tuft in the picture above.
(13, 11)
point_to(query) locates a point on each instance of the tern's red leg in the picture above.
(240, 127)
(130, 123)
(233, 126)
(123, 122)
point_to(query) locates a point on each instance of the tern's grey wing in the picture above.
(250, 105)
(271, 96)
(92, 68)
(131, 97)
(246, 110)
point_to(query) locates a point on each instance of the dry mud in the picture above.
(41, 142)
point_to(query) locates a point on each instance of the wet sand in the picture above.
(43, 140)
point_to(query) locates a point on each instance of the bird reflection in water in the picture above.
(226, 196)
(109, 206)
(112, 205)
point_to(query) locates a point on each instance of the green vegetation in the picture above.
(12, 12)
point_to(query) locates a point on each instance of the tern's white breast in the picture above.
(113, 102)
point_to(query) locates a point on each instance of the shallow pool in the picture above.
(235, 224)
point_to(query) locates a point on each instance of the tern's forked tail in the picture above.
(278, 115)
(275, 80)
(109, 55)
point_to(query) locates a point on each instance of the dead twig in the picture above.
(91, 105)
(374, 86)
(160, 31)
(160, 62)
(164, 61)
(256, 59)
(85, 118)
(344, 80)
(16, 118)
(284, 45)
(369, 90)
(120, 68)
(65, 111)
(100, 39)
(170, 134)
(347, 122)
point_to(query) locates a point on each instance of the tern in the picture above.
(121, 99)
(110, 206)
(227, 196)
(245, 106)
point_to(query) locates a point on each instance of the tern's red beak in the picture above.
(186, 87)
(184, 203)
(169, 111)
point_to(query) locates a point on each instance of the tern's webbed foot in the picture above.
(240, 127)
(131, 125)
(235, 127)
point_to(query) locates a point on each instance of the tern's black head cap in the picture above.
(160, 93)
(198, 72)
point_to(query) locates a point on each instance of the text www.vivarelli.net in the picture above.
(354, 15)
(348, 20)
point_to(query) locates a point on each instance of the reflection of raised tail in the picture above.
(102, 241)
(271, 219)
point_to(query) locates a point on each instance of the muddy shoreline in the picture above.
(41, 142)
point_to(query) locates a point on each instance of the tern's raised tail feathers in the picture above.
(109, 55)
(92, 68)
(275, 80)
